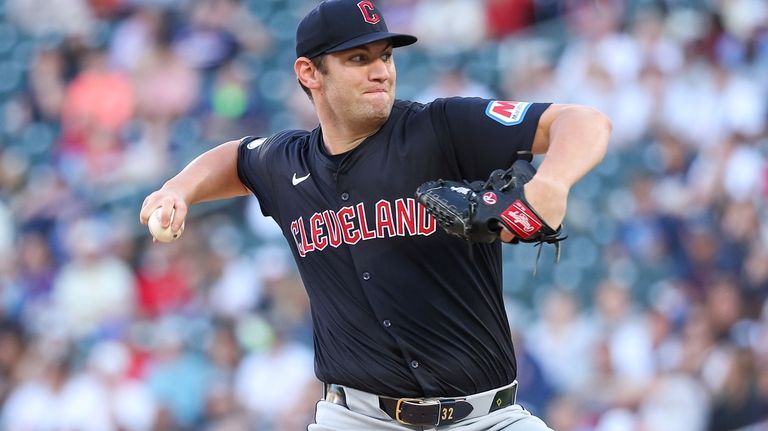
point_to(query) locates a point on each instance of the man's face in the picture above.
(359, 83)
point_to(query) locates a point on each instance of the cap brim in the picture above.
(398, 40)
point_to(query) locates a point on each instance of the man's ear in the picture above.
(306, 72)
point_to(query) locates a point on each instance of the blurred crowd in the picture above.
(655, 319)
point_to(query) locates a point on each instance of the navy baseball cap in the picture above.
(336, 25)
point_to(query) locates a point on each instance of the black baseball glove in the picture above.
(476, 211)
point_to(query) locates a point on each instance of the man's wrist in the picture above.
(556, 184)
(177, 189)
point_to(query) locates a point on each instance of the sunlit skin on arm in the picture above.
(573, 139)
(211, 176)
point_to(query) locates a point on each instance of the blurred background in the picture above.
(655, 318)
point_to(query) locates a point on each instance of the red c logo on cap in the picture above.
(367, 7)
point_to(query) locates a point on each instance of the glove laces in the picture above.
(502, 180)
(552, 239)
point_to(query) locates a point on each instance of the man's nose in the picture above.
(379, 71)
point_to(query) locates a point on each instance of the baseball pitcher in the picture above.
(395, 212)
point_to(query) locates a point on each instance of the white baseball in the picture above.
(159, 232)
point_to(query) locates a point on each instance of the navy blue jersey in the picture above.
(399, 307)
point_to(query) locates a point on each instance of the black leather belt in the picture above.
(432, 412)
(420, 412)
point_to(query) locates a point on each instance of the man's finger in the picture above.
(146, 210)
(506, 235)
(179, 215)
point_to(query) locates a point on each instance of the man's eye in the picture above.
(387, 56)
(358, 58)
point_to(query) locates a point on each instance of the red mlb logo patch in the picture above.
(507, 113)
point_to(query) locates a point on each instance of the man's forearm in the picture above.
(578, 140)
(575, 139)
(210, 176)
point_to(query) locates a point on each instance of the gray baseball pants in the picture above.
(363, 414)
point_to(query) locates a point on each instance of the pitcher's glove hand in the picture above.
(477, 211)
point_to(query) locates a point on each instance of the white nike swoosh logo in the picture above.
(296, 181)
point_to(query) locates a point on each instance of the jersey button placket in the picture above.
(345, 196)
(366, 275)
(415, 364)
(386, 323)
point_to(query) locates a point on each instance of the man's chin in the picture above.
(379, 112)
(385, 108)
(375, 111)
(381, 115)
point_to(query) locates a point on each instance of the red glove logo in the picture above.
(521, 219)
(490, 198)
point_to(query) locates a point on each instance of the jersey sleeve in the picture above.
(483, 134)
(253, 170)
